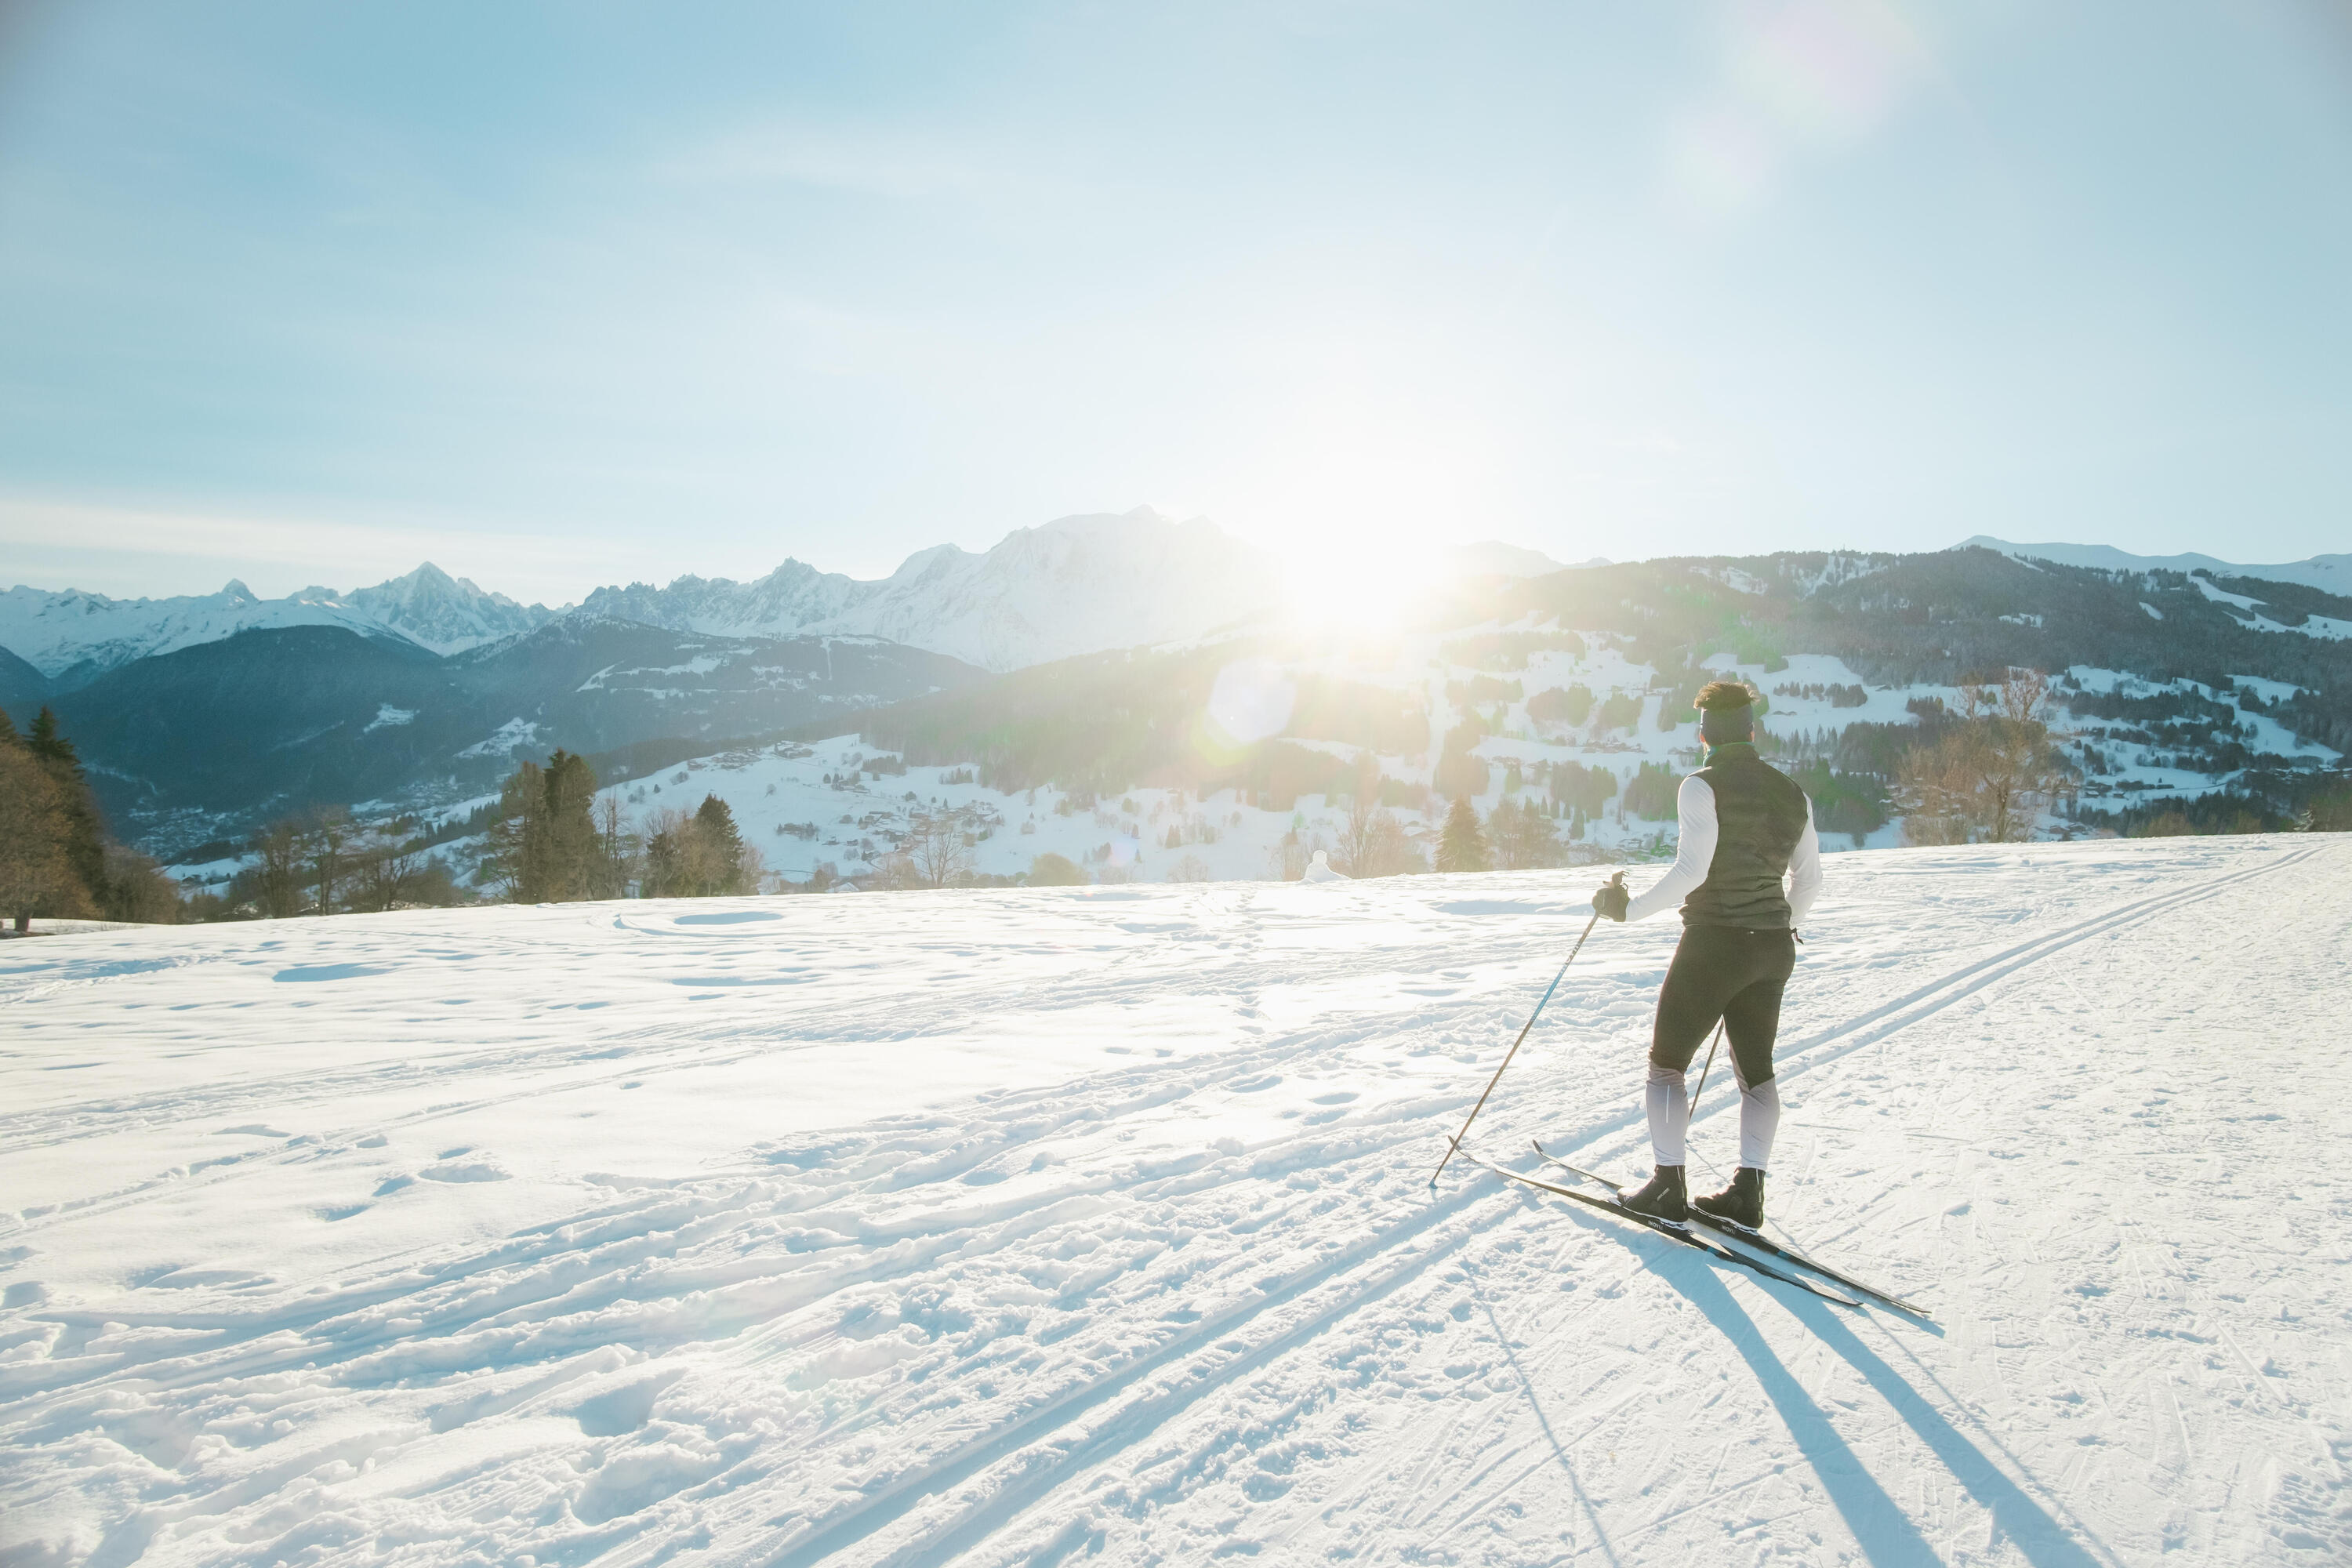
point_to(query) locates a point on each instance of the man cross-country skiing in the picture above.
(1746, 827)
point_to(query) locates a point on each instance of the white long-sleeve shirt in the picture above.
(1694, 805)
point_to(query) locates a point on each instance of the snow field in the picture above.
(1093, 1225)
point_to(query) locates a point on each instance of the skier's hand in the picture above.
(1610, 898)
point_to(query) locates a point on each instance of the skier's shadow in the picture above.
(1886, 1535)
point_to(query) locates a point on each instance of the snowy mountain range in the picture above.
(1076, 585)
(74, 635)
(1079, 584)
(2329, 573)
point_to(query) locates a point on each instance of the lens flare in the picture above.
(1798, 74)
(1250, 702)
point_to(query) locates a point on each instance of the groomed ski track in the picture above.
(1092, 1226)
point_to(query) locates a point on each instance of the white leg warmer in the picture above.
(1760, 1118)
(1669, 1107)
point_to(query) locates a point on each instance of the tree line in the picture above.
(57, 858)
(552, 841)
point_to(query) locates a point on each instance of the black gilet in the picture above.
(1760, 814)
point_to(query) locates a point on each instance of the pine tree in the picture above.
(718, 850)
(545, 847)
(1461, 847)
(515, 860)
(571, 846)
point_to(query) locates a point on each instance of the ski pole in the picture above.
(1692, 1109)
(1619, 879)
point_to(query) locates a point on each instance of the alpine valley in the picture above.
(1138, 657)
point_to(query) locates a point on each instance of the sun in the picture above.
(1327, 589)
(1367, 481)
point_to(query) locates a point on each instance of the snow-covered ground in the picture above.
(1093, 1225)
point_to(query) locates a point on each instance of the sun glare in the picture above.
(1371, 486)
(1354, 592)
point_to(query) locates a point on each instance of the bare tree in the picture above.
(277, 875)
(1389, 850)
(1287, 861)
(138, 889)
(1523, 837)
(1990, 775)
(1351, 854)
(384, 879)
(936, 849)
(617, 851)
(323, 836)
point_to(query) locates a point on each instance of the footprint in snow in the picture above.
(463, 1170)
(328, 971)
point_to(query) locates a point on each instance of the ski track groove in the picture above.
(1131, 1425)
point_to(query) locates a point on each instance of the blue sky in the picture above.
(557, 295)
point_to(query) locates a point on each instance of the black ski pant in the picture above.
(1722, 972)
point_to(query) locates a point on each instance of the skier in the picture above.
(1746, 827)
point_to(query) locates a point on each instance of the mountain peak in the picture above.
(446, 614)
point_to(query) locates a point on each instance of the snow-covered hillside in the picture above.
(826, 804)
(1079, 584)
(56, 632)
(1094, 1225)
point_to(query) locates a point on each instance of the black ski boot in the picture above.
(1663, 1198)
(1740, 1203)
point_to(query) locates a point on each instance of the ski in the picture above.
(1748, 1238)
(1686, 1238)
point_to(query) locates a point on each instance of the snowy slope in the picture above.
(1064, 1227)
(1079, 584)
(2332, 574)
(56, 632)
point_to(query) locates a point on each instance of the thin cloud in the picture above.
(902, 166)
